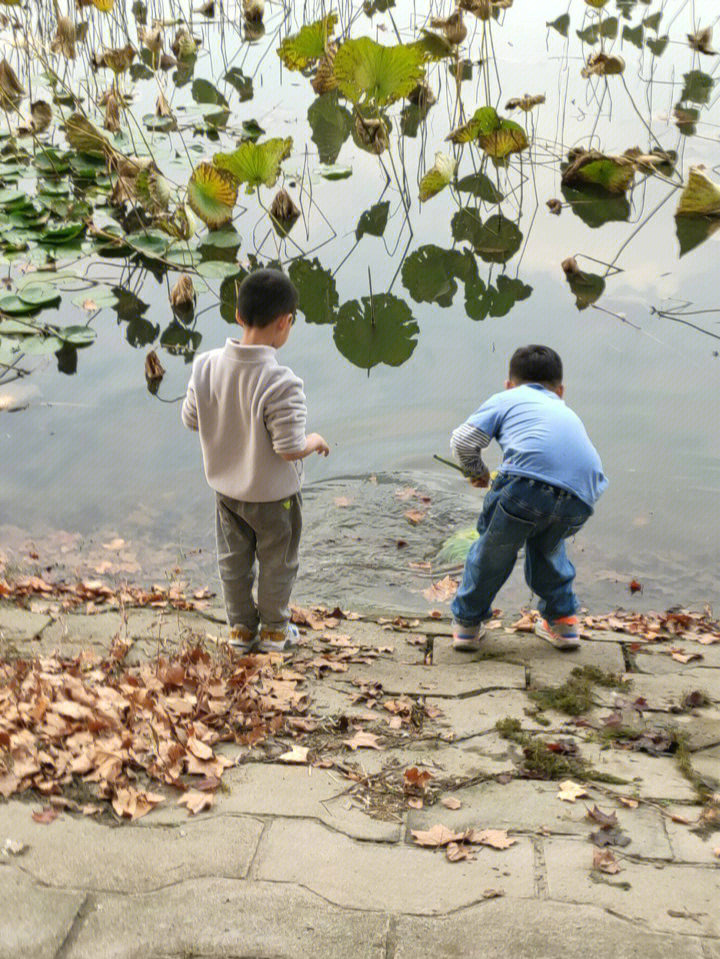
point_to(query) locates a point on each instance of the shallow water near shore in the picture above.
(97, 455)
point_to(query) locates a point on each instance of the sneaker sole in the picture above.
(469, 645)
(556, 641)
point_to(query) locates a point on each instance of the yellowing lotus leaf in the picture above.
(509, 138)
(367, 71)
(84, 136)
(255, 163)
(701, 196)
(483, 121)
(212, 194)
(309, 44)
(104, 6)
(614, 174)
(596, 4)
(603, 65)
(438, 176)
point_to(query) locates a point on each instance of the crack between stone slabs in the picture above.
(74, 931)
(391, 938)
(431, 694)
(633, 921)
(540, 878)
(250, 871)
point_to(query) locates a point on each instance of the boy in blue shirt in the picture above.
(550, 479)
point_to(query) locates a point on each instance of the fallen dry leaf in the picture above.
(450, 802)
(363, 740)
(680, 656)
(196, 801)
(493, 893)
(604, 861)
(442, 591)
(414, 516)
(438, 835)
(298, 754)
(416, 779)
(716, 852)
(414, 802)
(603, 819)
(114, 544)
(629, 802)
(46, 815)
(456, 853)
(570, 791)
(495, 838)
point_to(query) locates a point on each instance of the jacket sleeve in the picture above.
(285, 414)
(188, 413)
(467, 443)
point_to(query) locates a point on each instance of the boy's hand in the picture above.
(317, 444)
(481, 481)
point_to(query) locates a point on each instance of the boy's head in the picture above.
(266, 297)
(536, 364)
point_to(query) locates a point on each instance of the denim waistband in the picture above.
(539, 484)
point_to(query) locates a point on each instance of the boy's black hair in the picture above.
(263, 296)
(536, 364)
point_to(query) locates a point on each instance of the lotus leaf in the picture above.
(701, 40)
(434, 46)
(587, 287)
(615, 174)
(212, 194)
(373, 221)
(602, 65)
(606, 29)
(77, 336)
(700, 196)
(497, 137)
(14, 306)
(438, 176)
(454, 550)
(368, 71)
(331, 124)
(205, 92)
(694, 230)
(378, 329)
(429, 274)
(309, 44)
(482, 301)
(496, 240)
(255, 163)
(62, 234)
(104, 6)
(84, 136)
(317, 294)
(481, 186)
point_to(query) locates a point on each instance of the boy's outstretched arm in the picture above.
(188, 413)
(285, 416)
(467, 443)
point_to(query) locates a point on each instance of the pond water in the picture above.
(457, 283)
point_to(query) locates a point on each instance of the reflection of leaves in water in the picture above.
(496, 240)
(330, 124)
(587, 287)
(429, 273)
(697, 88)
(606, 29)
(128, 306)
(482, 301)
(595, 207)
(67, 357)
(318, 296)
(694, 230)
(141, 332)
(382, 332)
(373, 221)
(653, 21)
(561, 24)
(657, 45)
(244, 85)
(481, 186)
(634, 35)
(203, 91)
(178, 339)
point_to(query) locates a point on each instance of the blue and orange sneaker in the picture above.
(468, 638)
(562, 633)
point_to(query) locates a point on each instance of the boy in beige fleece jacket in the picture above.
(250, 413)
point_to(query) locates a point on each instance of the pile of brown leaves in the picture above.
(93, 593)
(457, 844)
(656, 627)
(120, 730)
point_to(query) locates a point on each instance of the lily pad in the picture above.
(481, 186)
(77, 336)
(429, 273)
(331, 124)
(615, 174)
(309, 44)
(379, 331)
(373, 221)
(368, 71)
(14, 306)
(255, 164)
(203, 91)
(217, 269)
(317, 294)
(497, 136)
(212, 194)
(334, 171)
(62, 234)
(39, 295)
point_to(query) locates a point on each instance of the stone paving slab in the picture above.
(688, 846)
(221, 918)
(548, 666)
(502, 929)
(460, 679)
(81, 854)
(666, 691)
(658, 661)
(528, 806)
(20, 625)
(33, 921)
(654, 889)
(702, 730)
(269, 789)
(376, 877)
(655, 777)
(69, 634)
(475, 715)
(707, 763)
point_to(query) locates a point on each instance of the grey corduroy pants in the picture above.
(270, 533)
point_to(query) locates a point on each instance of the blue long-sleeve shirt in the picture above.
(540, 438)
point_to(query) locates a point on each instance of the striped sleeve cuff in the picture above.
(467, 444)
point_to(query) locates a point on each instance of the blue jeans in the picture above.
(517, 512)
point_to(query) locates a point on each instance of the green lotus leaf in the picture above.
(255, 163)
(211, 194)
(496, 240)
(480, 186)
(62, 234)
(482, 301)
(39, 295)
(376, 330)
(485, 121)
(438, 176)
(434, 46)
(509, 138)
(429, 273)
(77, 336)
(331, 124)
(587, 287)
(373, 221)
(693, 230)
(700, 196)
(14, 306)
(317, 293)
(217, 269)
(366, 70)
(152, 243)
(454, 550)
(309, 44)
(84, 136)
(615, 174)
(40, 345)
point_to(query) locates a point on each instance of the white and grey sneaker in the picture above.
(242, 638)
(278, 640)
(468, 638)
